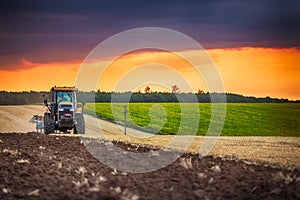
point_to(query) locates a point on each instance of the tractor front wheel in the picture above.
(49, 124)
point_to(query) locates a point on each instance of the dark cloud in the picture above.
(44, 31)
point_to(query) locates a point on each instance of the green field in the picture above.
(242, 119)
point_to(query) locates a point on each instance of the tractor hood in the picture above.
(65, 105)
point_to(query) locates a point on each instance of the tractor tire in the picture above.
(49, 124)
(79, 127)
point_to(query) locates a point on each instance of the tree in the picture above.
(200, 91)
(147, 89)
(175, 89)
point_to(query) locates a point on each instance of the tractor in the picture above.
(64, 112)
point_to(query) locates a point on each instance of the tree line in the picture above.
(22, 98)
(32, 97)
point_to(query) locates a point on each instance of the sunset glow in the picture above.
(249, 71)
(38, 76)
(260, 71)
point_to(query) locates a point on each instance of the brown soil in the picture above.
(38, 166)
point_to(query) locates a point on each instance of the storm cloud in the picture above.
(52, 31)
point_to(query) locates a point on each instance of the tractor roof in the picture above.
(64, 88)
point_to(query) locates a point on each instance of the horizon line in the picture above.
(162, 92)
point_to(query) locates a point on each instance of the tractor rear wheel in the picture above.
(49, 124)
(79, 127)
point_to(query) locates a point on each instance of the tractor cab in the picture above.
(65, 96)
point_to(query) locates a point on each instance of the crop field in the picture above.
(242, 119)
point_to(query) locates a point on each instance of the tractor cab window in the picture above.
(65, 96)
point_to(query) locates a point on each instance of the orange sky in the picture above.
(249, 71)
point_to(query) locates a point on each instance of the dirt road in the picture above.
(284, 151)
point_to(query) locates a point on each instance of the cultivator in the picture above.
(39, 121)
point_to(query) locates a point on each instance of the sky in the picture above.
(253, 44)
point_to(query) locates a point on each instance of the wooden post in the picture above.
(125, 112)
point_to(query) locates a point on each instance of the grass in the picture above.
(242, 119)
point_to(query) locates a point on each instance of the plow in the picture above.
(39, 121)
